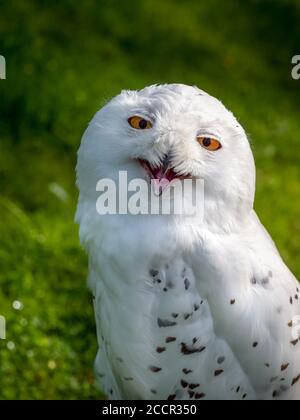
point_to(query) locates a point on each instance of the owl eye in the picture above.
(139, 123)
(209, 143)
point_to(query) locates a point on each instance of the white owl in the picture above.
(185, 308)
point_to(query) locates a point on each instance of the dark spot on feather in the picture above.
(190, 350)
(170, 339)
(275, 394)
(196, 307)
(158, 280)
(175, 315)
(154, 273)
(154, 369)
(221, 360)
(128, 379)
(193, 386)
(187, 371)
(255, 344)
(171, 397)
(294, 342)
(198, 396)
(187, 284)
(153, 391)
(273, 379)
(165, 323)
(244, 396)
(111, 391)
(160, 349)
(296, 297)
(195, 340)
(295, 380)
(284, 367)
(184, 384)
(238, 389)
(186, 316)
(232, 302)
(290, 324)
(267, 365)
(284, 388)
(165, 289)
(219, 372)
(291, 300)
(191, 394)
(253, 280)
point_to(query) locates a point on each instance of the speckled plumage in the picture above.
(185, 308)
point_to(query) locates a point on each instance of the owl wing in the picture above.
(255, 304)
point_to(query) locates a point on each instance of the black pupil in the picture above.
(143, 124)
(207, 142)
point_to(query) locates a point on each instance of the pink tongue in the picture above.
(162, 175)
(162, 179)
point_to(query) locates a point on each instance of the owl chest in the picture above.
(162, 337)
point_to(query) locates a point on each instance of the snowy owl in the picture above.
(186, 307)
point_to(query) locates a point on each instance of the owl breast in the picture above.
(162, 344)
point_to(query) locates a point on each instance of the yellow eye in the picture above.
(209, 143)
(139, 123)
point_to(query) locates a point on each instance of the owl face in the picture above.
(169, 131)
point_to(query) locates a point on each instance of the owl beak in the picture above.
(166, 164)
(162, 176)
(163, 180)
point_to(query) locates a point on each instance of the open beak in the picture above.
(162, 176)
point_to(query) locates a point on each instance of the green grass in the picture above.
(63, 61)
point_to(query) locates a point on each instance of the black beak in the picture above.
(166, 163)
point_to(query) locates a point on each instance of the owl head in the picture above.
(172, 131)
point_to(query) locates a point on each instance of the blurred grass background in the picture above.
(63, 60)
